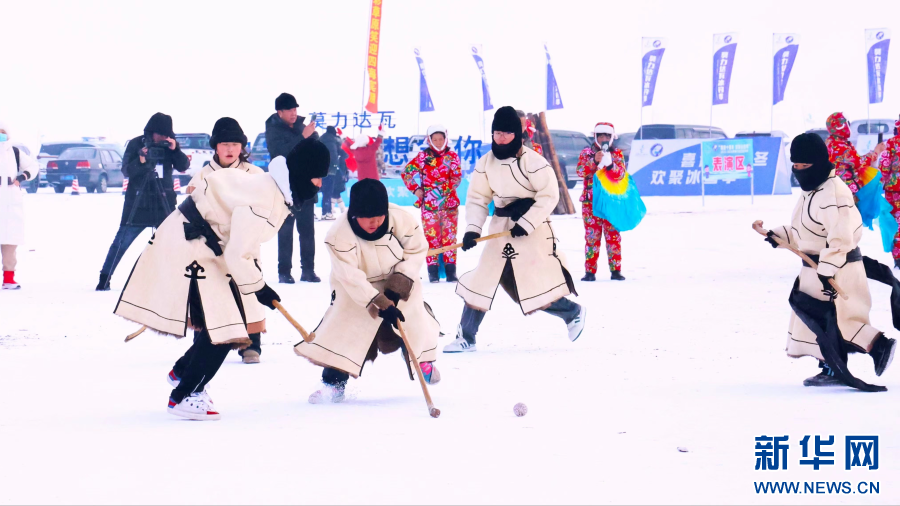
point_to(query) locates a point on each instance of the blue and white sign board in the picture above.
(727, 160)
(673, 168)
(399, 194)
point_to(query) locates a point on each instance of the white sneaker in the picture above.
(196, 406)
(11, 286)
(459, 345)
(576, 326)
(327, 394)
(328, 217)
(174, 381)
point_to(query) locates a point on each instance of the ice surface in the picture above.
(688, 352)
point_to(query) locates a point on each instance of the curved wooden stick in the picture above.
(306, 336)
(140, 331)
(809, 261)
(438, 251)
(433, 411)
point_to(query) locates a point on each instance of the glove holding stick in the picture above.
(772, 238)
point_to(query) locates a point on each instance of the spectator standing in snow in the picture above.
(16, 167)
(847, 162)
(365, 151)
(284, 130)
(330, 183)
(150, 196)
(890, 176)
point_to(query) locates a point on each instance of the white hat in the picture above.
(438, 129)
(362, 140)
(605, 128)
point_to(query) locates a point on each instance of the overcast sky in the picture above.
(102, 68)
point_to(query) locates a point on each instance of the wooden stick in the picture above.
(433, 411)
(306, 336)
(565, 205)
(438, 251)
(140, 331)
(757, 225)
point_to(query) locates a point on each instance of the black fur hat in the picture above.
(368, 199)
(285, 101)
(160, 124)
(227, 130)
(506, 119)
(309, 159)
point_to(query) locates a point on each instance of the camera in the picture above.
(156, 151)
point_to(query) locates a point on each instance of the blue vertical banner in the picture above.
(878, 41)
(425, 103)
(784, 50)
(485, 91)
(653, 50)
(554, 100)
(724, 47)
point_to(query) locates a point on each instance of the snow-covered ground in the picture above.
(688, 352)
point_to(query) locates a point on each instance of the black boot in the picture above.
(616, 276)
(286, 278)
(433, 273)
(883, 353)
(589, 276)
(103, 285)
(309, 277)
(825, 378)
(450, 270)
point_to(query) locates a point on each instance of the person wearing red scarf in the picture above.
(847, 162)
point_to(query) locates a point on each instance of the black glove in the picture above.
(391, 314)
(770, 238)
(518, 231)
(827, 289)
(266, 295)
(469, 240)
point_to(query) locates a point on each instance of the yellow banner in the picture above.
(372, 60)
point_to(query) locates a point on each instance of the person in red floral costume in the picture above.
(433, 176)
(847, 162)
(890, 175)
(600, 156)
(529, 130)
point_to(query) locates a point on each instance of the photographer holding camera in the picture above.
(148, 164)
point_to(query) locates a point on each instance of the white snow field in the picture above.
(688, 352)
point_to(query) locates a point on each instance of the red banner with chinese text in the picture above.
(372, 56)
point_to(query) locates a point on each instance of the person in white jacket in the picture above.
(16, 167)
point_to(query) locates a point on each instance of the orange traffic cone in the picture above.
(75, 190)
(124, 185)
(177, 184)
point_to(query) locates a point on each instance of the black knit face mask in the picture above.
(812, 177)
(505, 151)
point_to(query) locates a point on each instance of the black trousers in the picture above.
(304, 216)
(198, 365)
(334, 377)
(471, 318)
(124, 237)
(327, 193)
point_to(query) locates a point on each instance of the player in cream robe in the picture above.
(524, 190)
(827, 226)
(377, 251)
(229, 142)
(203, 260)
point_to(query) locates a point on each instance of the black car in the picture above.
(623, 142)
(569, 145)
(95, 169)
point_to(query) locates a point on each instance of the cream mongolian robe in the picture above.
(179, 273)
(360, 269)
(827, 224)
(253, 310)
(530, 268)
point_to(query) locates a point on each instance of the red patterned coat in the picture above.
(587, 167)
(437, 175)
(890, 165)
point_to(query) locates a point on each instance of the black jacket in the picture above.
(143, 199)
(281, 139)
(333, 143)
